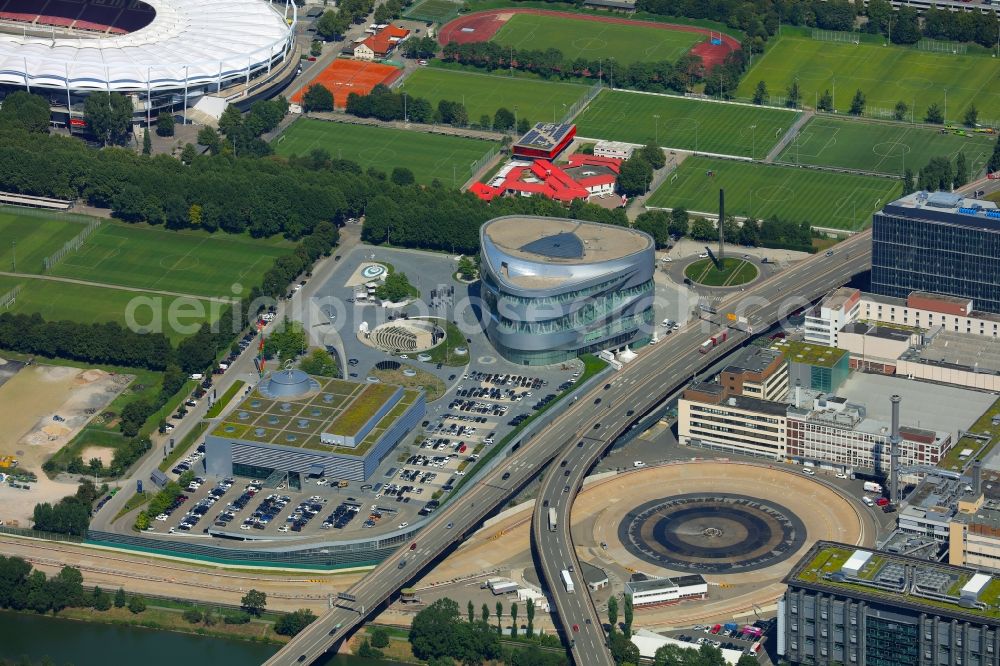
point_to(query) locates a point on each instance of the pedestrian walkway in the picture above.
(792, 132)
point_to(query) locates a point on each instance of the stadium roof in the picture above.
(188, 42)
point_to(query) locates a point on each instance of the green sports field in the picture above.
(29, 236)
(886, 74)
(428, 156)
(538, 101)
(882, 147)
(187, 263)
(594, 40)
(829, 200)
(438, 11)
(686, 124)
(57, 301)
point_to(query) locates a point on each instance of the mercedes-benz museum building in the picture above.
(164, 53)
(557, 288)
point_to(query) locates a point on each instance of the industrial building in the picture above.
(756, 372)
(940, 243)
(814, 366)
(873, 608)
(296, 425)
(648, 591)
(556, 288)
(709, 417)
(824, 321)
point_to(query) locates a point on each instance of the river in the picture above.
(93, 644)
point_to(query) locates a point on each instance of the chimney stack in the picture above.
(894, 440)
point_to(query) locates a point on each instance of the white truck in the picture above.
(552, 520)
(872, 487)
(568, 582)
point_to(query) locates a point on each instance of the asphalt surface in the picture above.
(635, 390)
(638, 387)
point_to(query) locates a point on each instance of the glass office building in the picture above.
(872, 608)
(939, 243)
(556, 288)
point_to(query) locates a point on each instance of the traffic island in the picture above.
(735, 272)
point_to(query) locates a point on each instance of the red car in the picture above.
(882, 501)
(576, 628)
(413, 546)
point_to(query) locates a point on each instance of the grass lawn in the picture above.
(593, 40)
(734, 272)
(886, 74)
(438, 11)
(538, 101)
(36, 236)
(830, 200)
(57, 301)
(428, 156)
(686, 124)
(152, 258)
(882, 147)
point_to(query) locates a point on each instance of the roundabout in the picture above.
(735, 272)
(712, 533)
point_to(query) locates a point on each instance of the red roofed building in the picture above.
(585, 176)
(381, 44)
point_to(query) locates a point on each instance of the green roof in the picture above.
(813, 571)
(809, 353)
(955, 461)
(338, 407)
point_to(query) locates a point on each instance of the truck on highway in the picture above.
(568, 582)
(552, 520)
(713, 341)
(872, 487)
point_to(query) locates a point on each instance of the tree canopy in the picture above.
(108, 116)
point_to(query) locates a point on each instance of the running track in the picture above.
(485, 24)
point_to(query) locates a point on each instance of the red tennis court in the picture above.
(343, 77)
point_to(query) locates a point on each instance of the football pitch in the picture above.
(438, 11)
(886, 75)
(58, 301)
(428, 156)
(882, 147)
(595, 40)
(29, 236)
(829, 200)
(188, 263)
(483, 94)
(685, 124)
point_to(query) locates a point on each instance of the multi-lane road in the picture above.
(637, 388)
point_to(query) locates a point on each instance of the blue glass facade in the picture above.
(936, 251)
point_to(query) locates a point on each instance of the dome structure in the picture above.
(288, 383)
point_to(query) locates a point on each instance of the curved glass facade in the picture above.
(567, 308)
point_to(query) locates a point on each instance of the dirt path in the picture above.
(482, 26)
(138, 290)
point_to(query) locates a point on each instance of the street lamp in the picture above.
(406, 118)
(753, 146)
(656, 117)
(13, 250)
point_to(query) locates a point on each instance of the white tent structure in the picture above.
(189, 44)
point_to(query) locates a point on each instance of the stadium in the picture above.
(557, 288)
(162, 53)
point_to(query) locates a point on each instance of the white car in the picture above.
(808, 471)
(284, 528)
(703, 255)
(666, 259)
(322, 482)
(162, 517)
(841, 475)
(638, 463)
(402, 525)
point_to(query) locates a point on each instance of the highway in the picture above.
(634, 391)
(637, 388)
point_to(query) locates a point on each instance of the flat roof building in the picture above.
(756, 372)
(661, 591)
(814, 366)
(873, 608)
(837, 309)
(940, 243)
(556, 288)
(544, 140)
(296, 424)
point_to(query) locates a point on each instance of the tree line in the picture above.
(551, 63)
(71, 514)
(772, 232)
